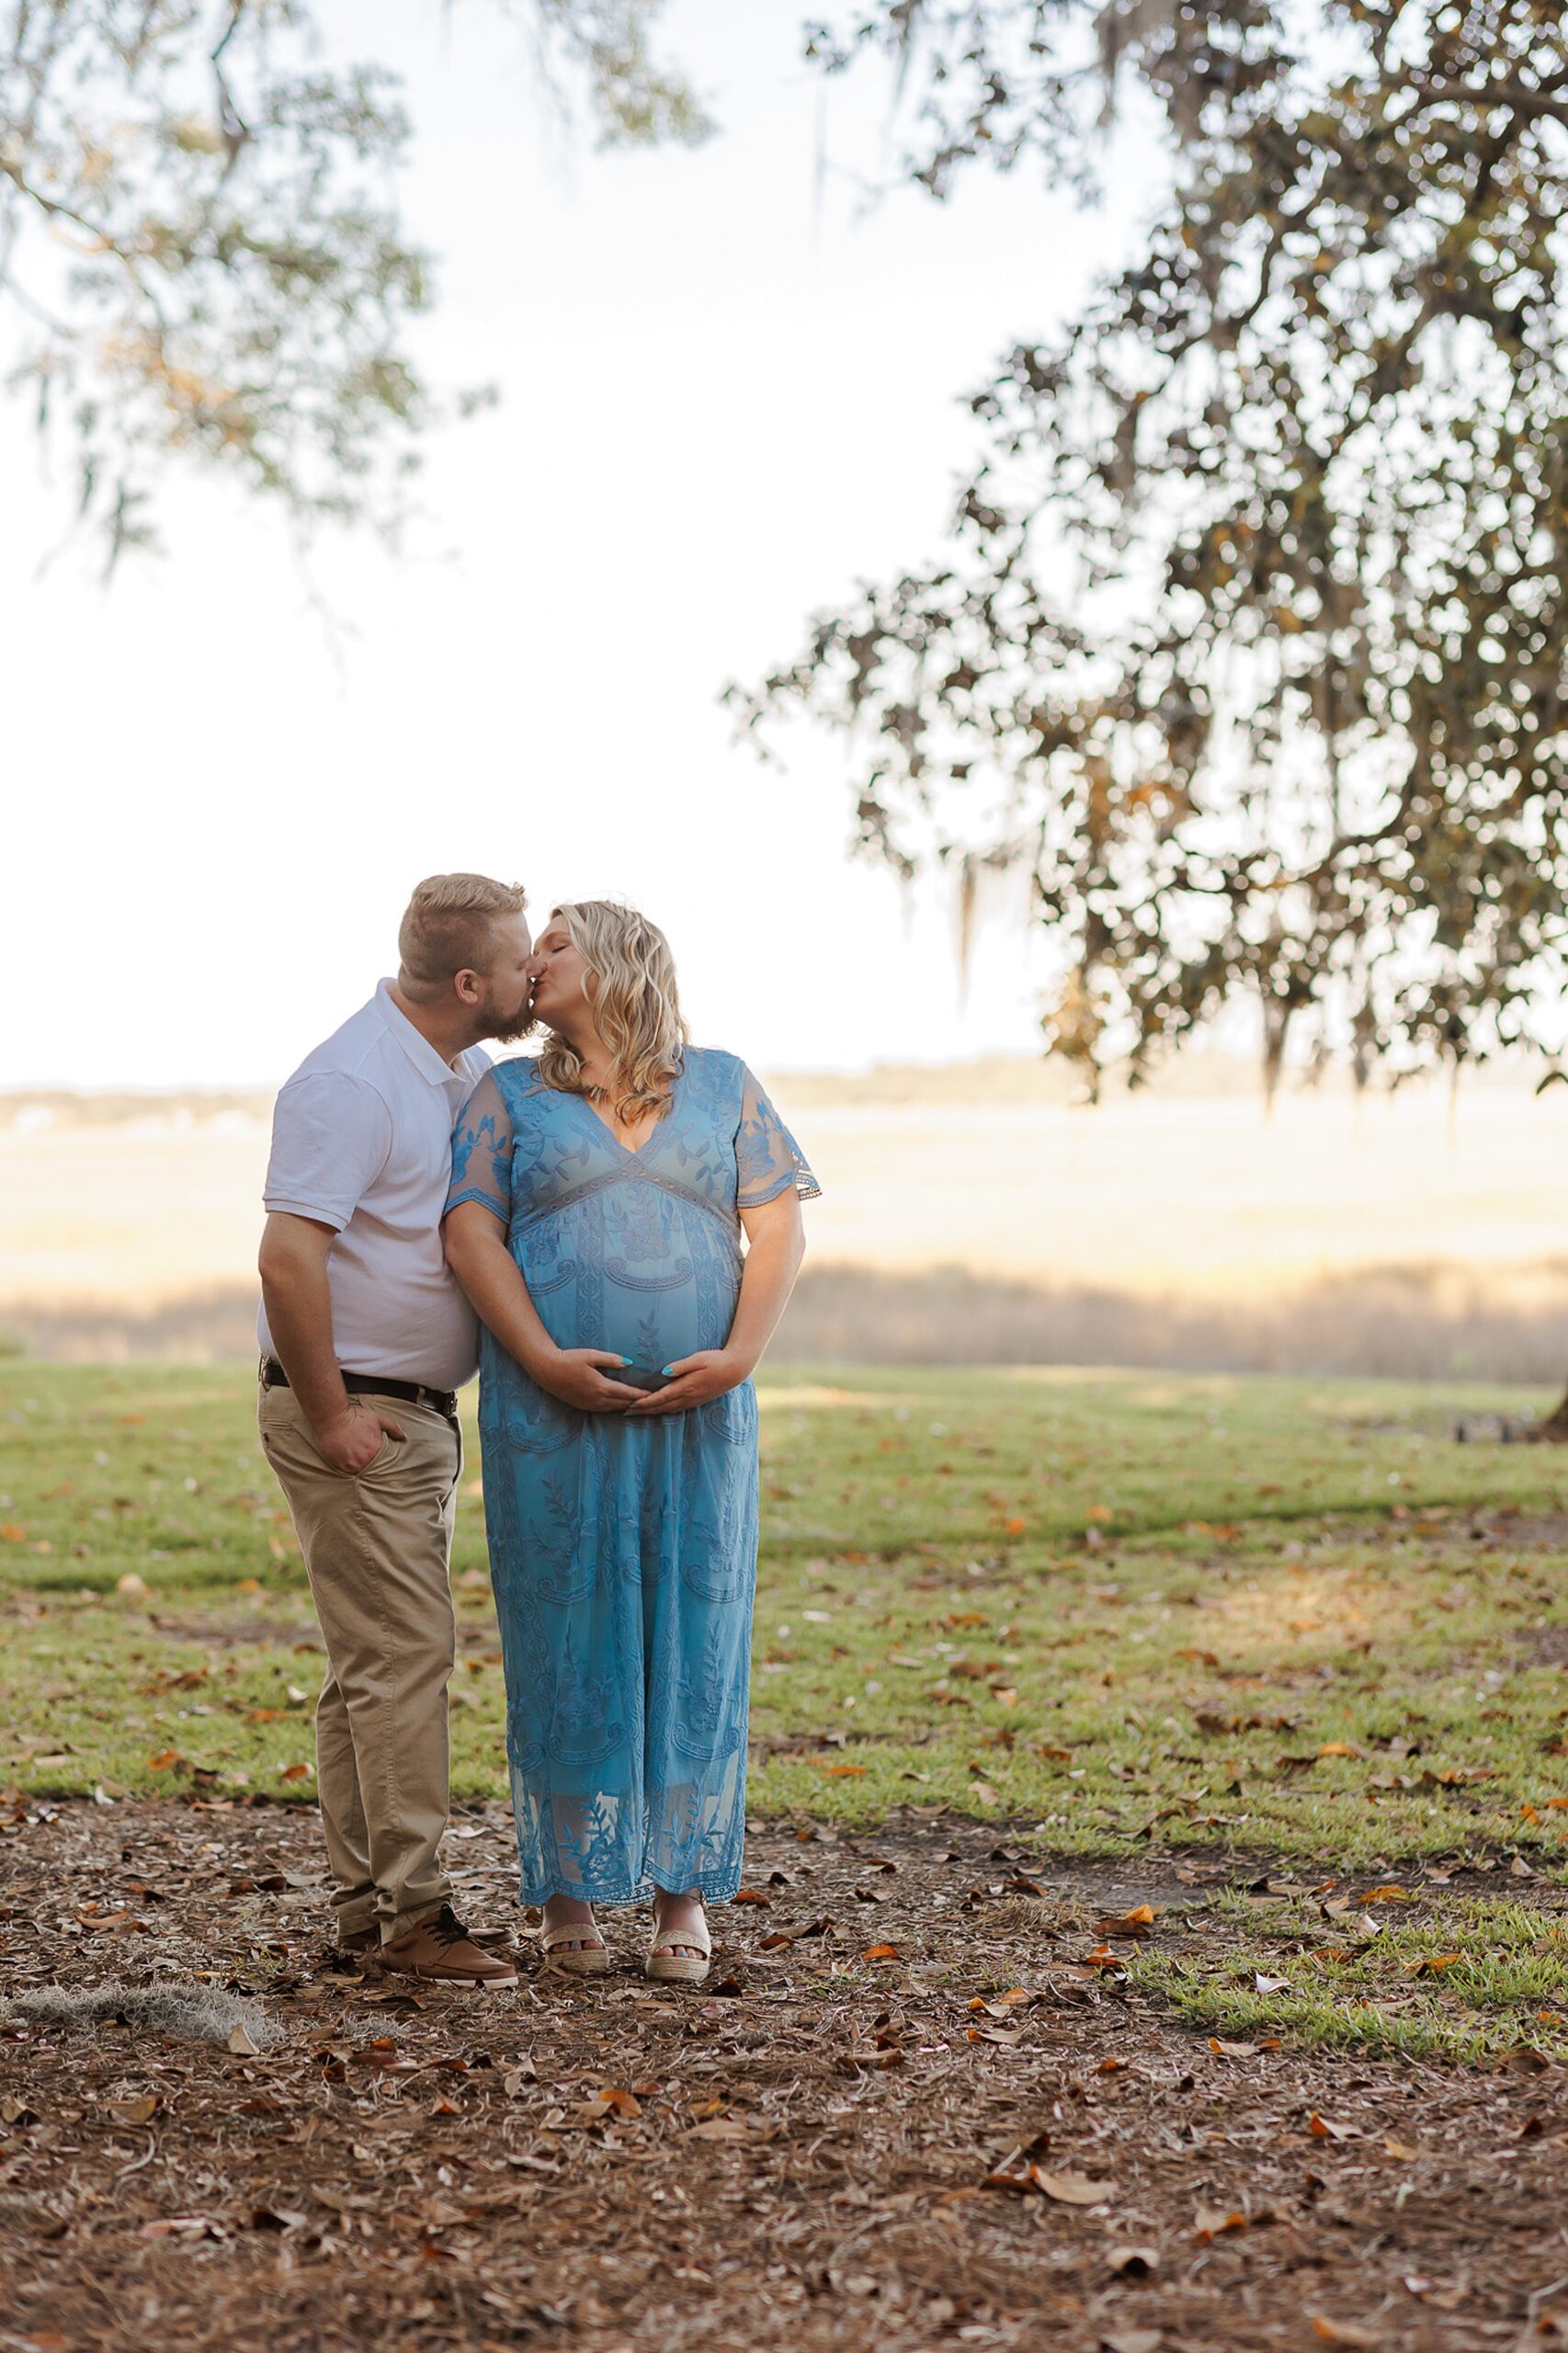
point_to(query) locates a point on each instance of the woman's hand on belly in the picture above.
(583, 1378)
(696, 1380)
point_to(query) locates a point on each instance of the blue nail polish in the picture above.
(626, 1359)
(665, 1371)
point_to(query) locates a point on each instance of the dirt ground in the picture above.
(846, 2139)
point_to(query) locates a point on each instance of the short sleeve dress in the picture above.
(623, 1552)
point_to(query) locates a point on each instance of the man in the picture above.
(365, 1339)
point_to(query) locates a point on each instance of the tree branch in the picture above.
(1518, 96)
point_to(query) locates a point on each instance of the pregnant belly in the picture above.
(648, 1314)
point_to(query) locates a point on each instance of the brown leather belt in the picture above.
(375, 1384)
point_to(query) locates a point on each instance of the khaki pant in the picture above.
(378, 1552)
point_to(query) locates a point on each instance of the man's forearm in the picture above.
(298, 1316)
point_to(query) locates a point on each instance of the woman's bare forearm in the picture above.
(773, 1261)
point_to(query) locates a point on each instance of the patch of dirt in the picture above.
(801, 2150)
(272, 1633)
(1545, 1646)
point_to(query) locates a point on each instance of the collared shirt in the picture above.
(362, 1142)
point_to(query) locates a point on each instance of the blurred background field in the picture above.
(972, 1213)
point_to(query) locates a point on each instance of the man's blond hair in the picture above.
(447, 929)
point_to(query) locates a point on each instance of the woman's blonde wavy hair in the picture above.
(636, 1008)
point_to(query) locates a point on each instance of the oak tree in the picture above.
(1248, 643)
(201, 254)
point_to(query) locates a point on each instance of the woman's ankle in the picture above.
(567, 1907)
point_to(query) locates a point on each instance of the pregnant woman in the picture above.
(599, 1197)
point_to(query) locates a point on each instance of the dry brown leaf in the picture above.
(720, 2128)
(240, 2043)
(1133, 2340)
(1344, 2331)
(1072, 2188)
(1211, 2223)
(134, 2111)
(1234, 2050)
(623, 2102)
(1136, 1922)
(1324, 2128)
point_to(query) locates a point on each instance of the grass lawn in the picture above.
(1284, 1619)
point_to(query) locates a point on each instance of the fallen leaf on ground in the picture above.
(1324, 2128)
(134, 2111)
(1343, 2332)
(1211, 2223)
(1072, 2188)
(616, 2098)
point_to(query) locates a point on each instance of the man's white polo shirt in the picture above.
(362, 1142)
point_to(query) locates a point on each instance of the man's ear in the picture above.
(469, 987)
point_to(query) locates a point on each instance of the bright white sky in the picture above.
(728, 392)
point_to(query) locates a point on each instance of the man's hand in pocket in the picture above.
(352, 1443)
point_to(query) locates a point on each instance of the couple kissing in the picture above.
(608, 1229)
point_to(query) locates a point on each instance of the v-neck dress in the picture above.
(623, 1552)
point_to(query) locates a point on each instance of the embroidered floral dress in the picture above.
(623, 1552)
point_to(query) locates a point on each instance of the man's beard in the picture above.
(522, 1024)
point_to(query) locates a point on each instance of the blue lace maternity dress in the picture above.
(623, 1552)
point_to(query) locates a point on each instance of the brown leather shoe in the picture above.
(441, 1950)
